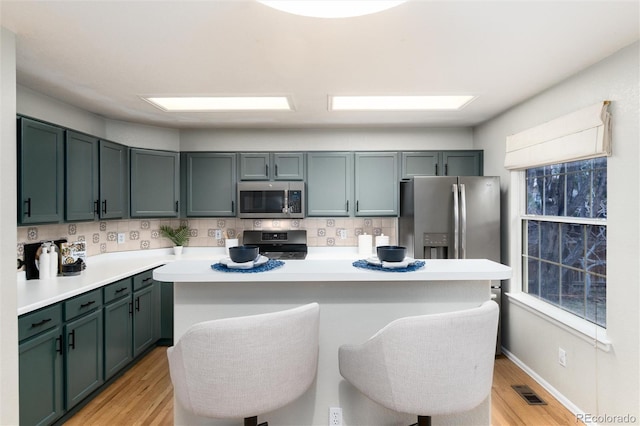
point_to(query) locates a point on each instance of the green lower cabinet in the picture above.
(144, 323)
(118, 340)
(84, 352)
(41, 378)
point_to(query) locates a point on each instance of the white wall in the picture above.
(36, 105)
(326, 139)
(8, 290)
(142, 136)
(597, 382)
(46, 108)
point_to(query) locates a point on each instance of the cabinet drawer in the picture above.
(117, 290)
(39, 321)
(142, 280)
(82, 304)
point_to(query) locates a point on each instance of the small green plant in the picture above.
(179, 236)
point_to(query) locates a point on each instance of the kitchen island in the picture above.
(354, 304)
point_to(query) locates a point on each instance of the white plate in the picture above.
(373, 260)
(261, 260)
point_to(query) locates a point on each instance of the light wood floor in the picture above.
(144, 396)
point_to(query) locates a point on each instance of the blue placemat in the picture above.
(363, 264)
(269, 265)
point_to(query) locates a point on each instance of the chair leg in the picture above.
(423, 421)
(253, 421)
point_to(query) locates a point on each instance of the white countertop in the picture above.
(110, 267)
(322, 264)
(332, 270)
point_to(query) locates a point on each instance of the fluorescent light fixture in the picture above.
(221, 103)
(397, 103)
(331, 8)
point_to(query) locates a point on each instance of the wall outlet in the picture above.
(218, 234)
(562, 357)
(335, 416)
(342, 233)
(121, 238)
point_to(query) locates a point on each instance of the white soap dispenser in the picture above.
(53, 260)
(44, 263)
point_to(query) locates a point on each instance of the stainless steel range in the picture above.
(278, 244)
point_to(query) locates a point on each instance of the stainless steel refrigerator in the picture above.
(451, 217)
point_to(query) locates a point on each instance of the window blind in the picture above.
(580, 135)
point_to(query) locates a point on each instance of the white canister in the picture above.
(382, 240)
(44, 263)
(230, 242)
(364, 245)
(53, 261)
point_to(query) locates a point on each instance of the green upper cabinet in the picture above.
(40, 172)
(210, 184)
(288, 165)
(421, 163)
(441, 163)
(272, 166)
(96, 176)
(462, 163)
(114, 180)
(81, 177)
(155, 183)
(376, 183)
(329, 183)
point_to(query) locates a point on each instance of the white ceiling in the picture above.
(103, 55)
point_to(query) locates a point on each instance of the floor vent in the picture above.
(528, 395)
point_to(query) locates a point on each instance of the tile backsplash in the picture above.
(142, 234)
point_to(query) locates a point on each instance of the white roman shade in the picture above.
(580, 135)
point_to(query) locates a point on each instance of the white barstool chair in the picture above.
(246, 366)
(427, 365)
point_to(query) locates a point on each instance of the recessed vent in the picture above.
(528, 395)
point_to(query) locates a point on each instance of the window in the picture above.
(564, 234)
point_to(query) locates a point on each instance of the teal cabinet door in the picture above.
(272, 166)
(155, 183)
(377, 184)
(329, 183)
(421, 163)
(254, 166)
(81, 177)
(114, 180)
(211, 184)
(40, 172)
(41, 380)
(118, 336)
(463, 163)
(143, 320)
(166, 316)
(288, 165)
(84, 357)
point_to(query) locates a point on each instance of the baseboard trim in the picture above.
(574, 409)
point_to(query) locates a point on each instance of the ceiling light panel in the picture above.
(397, 103)
(221, 103)
(331, 8)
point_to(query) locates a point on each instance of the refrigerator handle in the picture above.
(456, 222)
(463, 222)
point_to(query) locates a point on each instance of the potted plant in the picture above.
(178, 236)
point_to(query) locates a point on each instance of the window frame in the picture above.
(580, 327)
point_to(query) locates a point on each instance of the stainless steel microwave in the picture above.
(265, 200)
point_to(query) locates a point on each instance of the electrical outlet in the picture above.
(335, 416)
(562, 357)
(218, 234)
(121, 238)
(342, 233)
